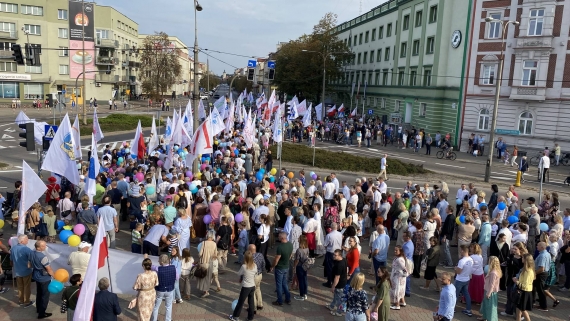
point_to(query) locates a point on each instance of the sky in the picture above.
(250, 28)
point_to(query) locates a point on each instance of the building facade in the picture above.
(535, 94)
(408, 59)
(67, 38)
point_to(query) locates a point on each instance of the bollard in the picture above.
(518, 180)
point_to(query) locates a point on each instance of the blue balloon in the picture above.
(458, 201)
(200, 247)
(192, 186)
(259, 176)
(64, 235)
(517, 212)
(544, 227)
(481, 205)
(272, 179)
(60, 225)
(512, 219)
(218, 170)
(55, 287)
(486, 269)
(41, 214)
(176, 148)
(234, 305)
(462, 219)
(127, 150)
(502, 206)
(150, 190)
(262, 170)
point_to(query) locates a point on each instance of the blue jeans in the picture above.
(463, 288)
(168, 297)
(282, 285)
(336, 303)
(355, 317)
(241, 251)
(302, 278)
(355, 272)
(377, 264)
(177, 295)
(447, 254)
(408, 292)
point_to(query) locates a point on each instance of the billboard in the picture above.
(79, 55)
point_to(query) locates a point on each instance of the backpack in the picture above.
(308, 263)
(182, 202)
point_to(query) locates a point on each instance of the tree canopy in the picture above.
(160, 67)
(301, 72)
(212, 82)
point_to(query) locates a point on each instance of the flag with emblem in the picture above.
(217, 123)
(307, 117)
(91, 179)
(60, 158)
(77, 138)
(96, 128)
(319, 111)
(168, 130)
(188, 118)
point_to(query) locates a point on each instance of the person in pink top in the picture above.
(214, 208)
(489, 307)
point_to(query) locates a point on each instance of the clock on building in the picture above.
(456, 38)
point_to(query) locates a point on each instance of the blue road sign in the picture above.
(63, 92)
(370, 111)
(50, 131)
(251, 63)
(271, 64)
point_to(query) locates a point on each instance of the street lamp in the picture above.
(504, 25)
(196, 92)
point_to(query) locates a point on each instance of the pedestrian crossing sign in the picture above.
(50, 131)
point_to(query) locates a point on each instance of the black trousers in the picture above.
(328, 264)
(124, 209)
(243, 294)
(538, 287)
(417, 265)
(263, 250)
(42, 297)
(150, 249)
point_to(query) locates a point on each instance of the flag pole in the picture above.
(109, 267)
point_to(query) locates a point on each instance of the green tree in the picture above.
(299, 63)
(213, 81)
(241, 83)
(160, 68)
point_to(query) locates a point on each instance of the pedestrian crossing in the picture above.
(511, 175)
(112, 145)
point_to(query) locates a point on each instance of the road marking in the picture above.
(11, 171)
(374, 149)
(6, 137)
(20, 167)
(9, 130)
(449, 165)
(5, 125)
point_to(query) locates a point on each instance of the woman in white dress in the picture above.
(182, 225)
(402, 224)
(429, 227)
(319, 237)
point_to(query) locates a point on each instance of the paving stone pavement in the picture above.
(218, 305)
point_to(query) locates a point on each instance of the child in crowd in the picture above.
(173, 238)
(187, 263)
(215, 265)
(176, 261)
(242, 242)
(362, 228)
(136, 239)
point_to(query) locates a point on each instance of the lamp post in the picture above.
(83, 64)
(196, 92)
(504, 25)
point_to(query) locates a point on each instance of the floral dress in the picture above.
(145, 284)
(398, 278)
(356, 300)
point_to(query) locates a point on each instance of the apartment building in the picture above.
(68, 37)
(534, 104)
(408, 57)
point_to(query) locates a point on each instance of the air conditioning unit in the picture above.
(97, 84)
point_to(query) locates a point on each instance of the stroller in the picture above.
(340, 139)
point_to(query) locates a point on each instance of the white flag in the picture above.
(295, 100)
(231, 118)
(201, 110)
(96, 128)
(77, 138)
(302, 108)
(94, 166)
(217, 123)
(60, 158)
(248, 131)
(319, 111)
(153, 141)
(219, 104)
(168, 130)
(272, 99)
(32, 189)
(188, 118)
(293, 114)
(278, 130)
(203, 139)
(174, 116)
(307, 117)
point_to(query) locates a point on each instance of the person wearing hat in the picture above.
(52, 193)
(79, 259)
(531, 203)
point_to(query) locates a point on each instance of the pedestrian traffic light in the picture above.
(271, 74)
(250, 74)
(29, 136)
(17, 53)
(45, 143)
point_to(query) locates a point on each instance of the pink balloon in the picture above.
(160, 163)
(79, 229)
(140, 177)
(203, 167)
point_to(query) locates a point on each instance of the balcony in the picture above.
(6, 54)
(9, 34)
(106, 61)
(106, 43)
(528, 93)
(102, 77)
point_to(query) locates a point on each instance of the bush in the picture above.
(118, 122)
(339, 161)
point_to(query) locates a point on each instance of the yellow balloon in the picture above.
(273, 171)
(1, 223)
(74, 240)
(456, 221)
(198, 175)
(67, 228)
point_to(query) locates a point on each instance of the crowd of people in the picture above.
(279, 222)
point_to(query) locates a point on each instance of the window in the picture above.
(535, 22)
(8, 66)
(373, 34)
(354, 59)
(360, 39)
(377, 80)
(488, 75)
(8, 7)
(413, 75)
(33, 91)
(102, 34)
(33, 29)
(365, 58)
(371, 57)
(61, 14)
(423, 109)
(430, 45)
(63, 51)
(33, 69)
(416, 48)
(64, 69)
(401, 77)
(403, 49)
(6, 46)
(33, 10)
(529, 73)
(433, 14)
(387, 54)
(379, 55)
(381, 32)
(349, 41)
(62, 33)
(406, 24)
(494, 26)
(385, 77)
(358, 61)
(397, 106)
(418, 21)
(370, 79)
(525, 123)
(389, 30)
(427, 77)
(355, 37)
(366, 36)
(7, 27)
(37, 46)
(383, 103)
(483, 120)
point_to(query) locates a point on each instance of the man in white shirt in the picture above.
(461, 193)
(329, 189)
(463, 275)
(383, 165)
(335, 182)
(353, 197)
(345, 190)
(310, 191)
(376, 197)
(382, 186)
(78, 260)
(519, 234)
(66, 207)
(262, 209)
(544, 164)
(505, 230)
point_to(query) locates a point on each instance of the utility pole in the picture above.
(196, 92)
(208, 74)
(83, 62)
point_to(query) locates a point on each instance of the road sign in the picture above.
(63, 92)
(251, 63)
(50, 131)
(370, 111)
(271, 64)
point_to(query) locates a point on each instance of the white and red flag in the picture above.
(331, 111)
(353, 113)
(137, 144)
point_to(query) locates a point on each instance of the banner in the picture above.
(81, 19)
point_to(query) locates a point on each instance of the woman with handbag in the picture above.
(490, 299)
(33, 220)
(70, 295)
(146, 295)
(203, 273)
(398, 279)
(523, 294)
(263, 238)
(514, 265)
(432, 257)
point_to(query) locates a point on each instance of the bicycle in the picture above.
(449, 154)
(535, 160)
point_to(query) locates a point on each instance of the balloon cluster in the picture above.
(70, 235)
(60, 277)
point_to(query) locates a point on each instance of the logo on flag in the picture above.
(67, 146)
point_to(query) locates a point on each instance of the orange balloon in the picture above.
(62, 275)
(290, 175)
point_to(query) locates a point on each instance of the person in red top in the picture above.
(52, 193)
(352, 258)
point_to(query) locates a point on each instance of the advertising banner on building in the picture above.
(79, 54)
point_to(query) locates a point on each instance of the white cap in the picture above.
(83, 245)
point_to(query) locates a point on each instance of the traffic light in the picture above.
(250, 74)
(17, 53)
(271, 74)
(29, 136)
(45, 143)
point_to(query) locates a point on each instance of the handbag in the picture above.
(516, 294)
(41, 228)
(200, 272)
(423, 266)
(63, 308)
(91, 227)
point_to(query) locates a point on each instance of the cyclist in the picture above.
(446, 146)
